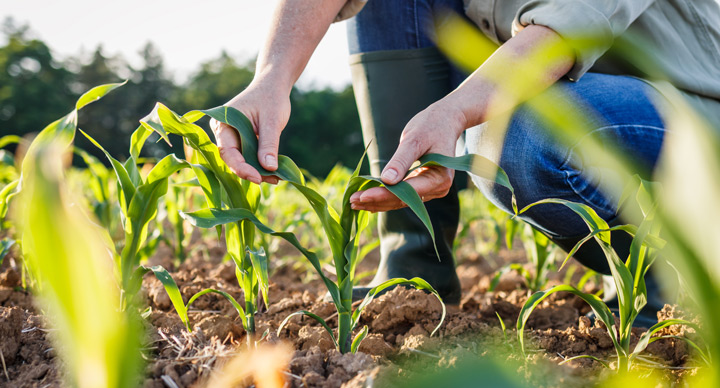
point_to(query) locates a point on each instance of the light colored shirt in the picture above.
(680, 38)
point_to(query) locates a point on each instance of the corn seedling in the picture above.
(628, 275)
(69, 257)
(222, 189)
(540, 252)
(139, 199)
(176, 298)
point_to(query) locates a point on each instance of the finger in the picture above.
(429, 183)
(378, 195)
(271, 179)
(378, 208)
(407, 153)
(268, 141)
(228, 143)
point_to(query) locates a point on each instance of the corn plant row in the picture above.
(342, 228)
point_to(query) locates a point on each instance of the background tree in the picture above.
(323, 130)
(34, 88)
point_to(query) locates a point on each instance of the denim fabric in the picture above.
(538, 166)
(399, 25)
(620, 113)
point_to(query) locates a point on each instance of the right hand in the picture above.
(268, 109)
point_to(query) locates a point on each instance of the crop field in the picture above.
(173, 272)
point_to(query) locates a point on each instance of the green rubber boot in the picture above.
(390, 88)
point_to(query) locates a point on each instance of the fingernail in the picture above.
(255, 180)
(389, 174)
(270, 161)
(355, 197)
(355, 206)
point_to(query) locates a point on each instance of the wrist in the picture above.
(274, 82)
(455, 117)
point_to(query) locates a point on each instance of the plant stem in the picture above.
(344, 331)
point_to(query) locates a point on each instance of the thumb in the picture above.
(406, 154)
(268, 141)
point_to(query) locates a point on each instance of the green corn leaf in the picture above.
(621, 275)
(474, 164)
(588, 214)
(62, 132)
(313, 316)
(97, 341)
(406, 193)
(511, 228)
(630, 229)
(166, 167)
(502, 325)
(96, 93)
(227, 296)
(703, 354)
(6, 194)
(173, 292)
(126, 185)
(260, 267)
(137, 141)
(287, 169)
(358, 339)
(598, 306)
(9, 139)
(505, 269)
(210, 218)
(418, 283)
(645, 339)
(133, 172)
(142, 209)
(5, 245)
(163, 121)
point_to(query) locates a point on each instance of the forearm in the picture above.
(524, 66)
(297, 28)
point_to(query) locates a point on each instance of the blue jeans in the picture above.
(400, 25)
(537, 165)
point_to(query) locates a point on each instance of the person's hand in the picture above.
(434, 130)
(268, 109)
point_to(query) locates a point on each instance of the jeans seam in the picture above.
(415, 20)
(571, 149)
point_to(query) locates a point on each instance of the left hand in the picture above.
(434, 130)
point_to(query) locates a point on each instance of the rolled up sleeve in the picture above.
(589, 26)
(350, 9)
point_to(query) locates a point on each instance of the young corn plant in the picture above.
(222, 190)
(342, 228)
(628, 275)
(68, 255)
(540, 252)
(139, 197)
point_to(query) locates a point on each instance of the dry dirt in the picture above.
(399, 342)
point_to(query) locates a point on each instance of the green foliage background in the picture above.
(324, 128)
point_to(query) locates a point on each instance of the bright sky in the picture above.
(186, 32)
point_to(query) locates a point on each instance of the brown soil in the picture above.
(399, 342)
